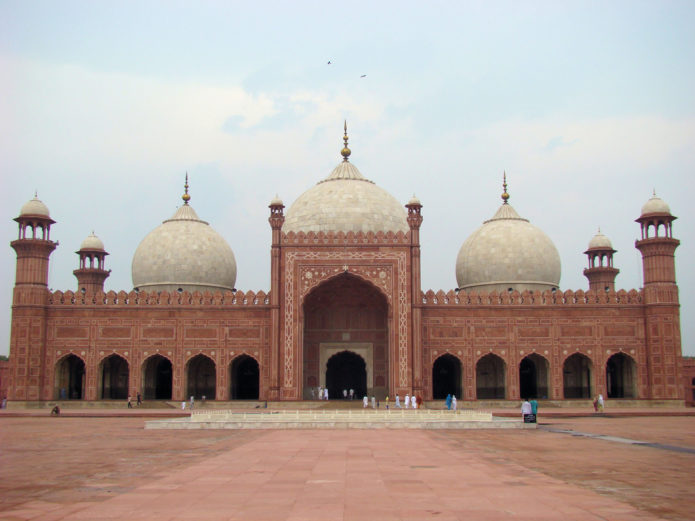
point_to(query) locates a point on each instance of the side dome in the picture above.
(654, 205)
(346, 201)
(184, 253)
(508, 252)
(92, 242)
(34, 207)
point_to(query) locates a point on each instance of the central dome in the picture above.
(346, 201)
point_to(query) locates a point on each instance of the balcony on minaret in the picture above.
(92, 273)
(601, 273)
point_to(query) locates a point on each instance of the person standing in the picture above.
(344, 394)
(600, 403)
(387, 401)
(139, 398)
(453, 402)
(407, 400)
(325, 394)
(130, 402)
(534, 406)
(192, 402)
(352, 394)
(448, 402)
(320, 393)
(398, 402)
(526, 409)
(373, 402)
(365, 402)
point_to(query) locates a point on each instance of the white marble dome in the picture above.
(600, 241)
(506, 252)
(92, 242)
(655, 205)
(184, 253)
(346, 201)
(34, 207)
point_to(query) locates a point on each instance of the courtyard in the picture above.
(90, 468)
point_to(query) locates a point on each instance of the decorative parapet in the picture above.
(532, 298)
(345, 239)
(160, 298)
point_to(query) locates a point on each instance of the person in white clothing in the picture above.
(320, 393)
(453, 402)
(365, 401)
(526, 408)
(413, 402)
(398, 402)
(407, 401)
(325, 393)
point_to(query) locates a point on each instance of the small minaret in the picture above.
(601, 273)
(660, 300)
(91, 273)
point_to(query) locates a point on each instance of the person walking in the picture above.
(139, 399)
(526, 409)
(453, 402)
(600, 403)
(448, 402)
(130, 402)
(407, 401)
(325, 394)
(365, 402)
(398, 402)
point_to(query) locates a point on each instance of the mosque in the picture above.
(345, 310)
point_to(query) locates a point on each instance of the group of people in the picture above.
(529, 409)
(451, 402)
(130, 400)
(321, 393)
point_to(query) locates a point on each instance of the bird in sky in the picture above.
(363, 76)
(329, 62)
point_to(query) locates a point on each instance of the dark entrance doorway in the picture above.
(201, 378)
(244, 379)
(346, 370)
(489, 378)
(156, 384)
(69, 378)
(114, 378)
(446, 377)
(621, 376)
(533, 377)
(576, 376)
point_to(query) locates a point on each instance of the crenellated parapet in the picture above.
(531, 298)
(163, 298)
(344, 238)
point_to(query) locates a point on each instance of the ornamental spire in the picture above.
(505, 195)
(345, 152)
(185, 195)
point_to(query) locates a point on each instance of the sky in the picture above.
(588, 107)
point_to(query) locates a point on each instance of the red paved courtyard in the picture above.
(111, 468)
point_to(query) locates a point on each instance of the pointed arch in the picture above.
(201, 377)
(534, 374)
(446, 377)
(490, 378)
(344, 371)
(621, 376)
(113, 374)
(157, 378)
(69, 378)
(244, 378)
(577, 376)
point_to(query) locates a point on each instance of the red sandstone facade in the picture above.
(354, 293)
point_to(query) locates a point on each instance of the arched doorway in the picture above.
(576, 376)
(69, 378)
(621, 376)
(446, 377)
(490, 378)
(346, 370)
(113, 378)
(346, 313)
(533, 377)
(157, 378)
(201, 377)
(244, 378)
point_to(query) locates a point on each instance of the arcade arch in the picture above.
(244, 378)
(490, 378)
(346, 370)
(621, 376)
(533, 377)
(346, 313)
(157, 378)
(113, 377)
(577, 376)
(69, 382)
(201, 377)
(446, 377)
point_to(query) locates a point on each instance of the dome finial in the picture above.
(185, 195)
(505, 195)
(345, 152)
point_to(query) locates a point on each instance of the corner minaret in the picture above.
(601, 273)
(91, 273)
(29, 302)
(660, 298)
